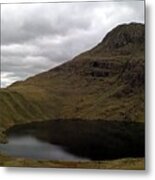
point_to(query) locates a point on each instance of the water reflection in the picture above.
(30, 147)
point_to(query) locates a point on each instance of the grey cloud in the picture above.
(43, 22)
(16, 65)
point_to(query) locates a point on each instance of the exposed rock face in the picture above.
(123, 35)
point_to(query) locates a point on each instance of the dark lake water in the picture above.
(30, 147)
(74, 140)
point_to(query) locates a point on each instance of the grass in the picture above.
(123, 164)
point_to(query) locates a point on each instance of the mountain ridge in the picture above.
(108, 44)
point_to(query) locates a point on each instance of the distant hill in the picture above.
(106, 82)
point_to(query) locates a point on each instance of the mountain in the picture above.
(106, 82)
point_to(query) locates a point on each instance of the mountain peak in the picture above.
(123, 35)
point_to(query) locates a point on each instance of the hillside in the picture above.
(106, 82)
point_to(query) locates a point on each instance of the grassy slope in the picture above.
(71, 96)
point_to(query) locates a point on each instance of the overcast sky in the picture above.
(38, 37)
